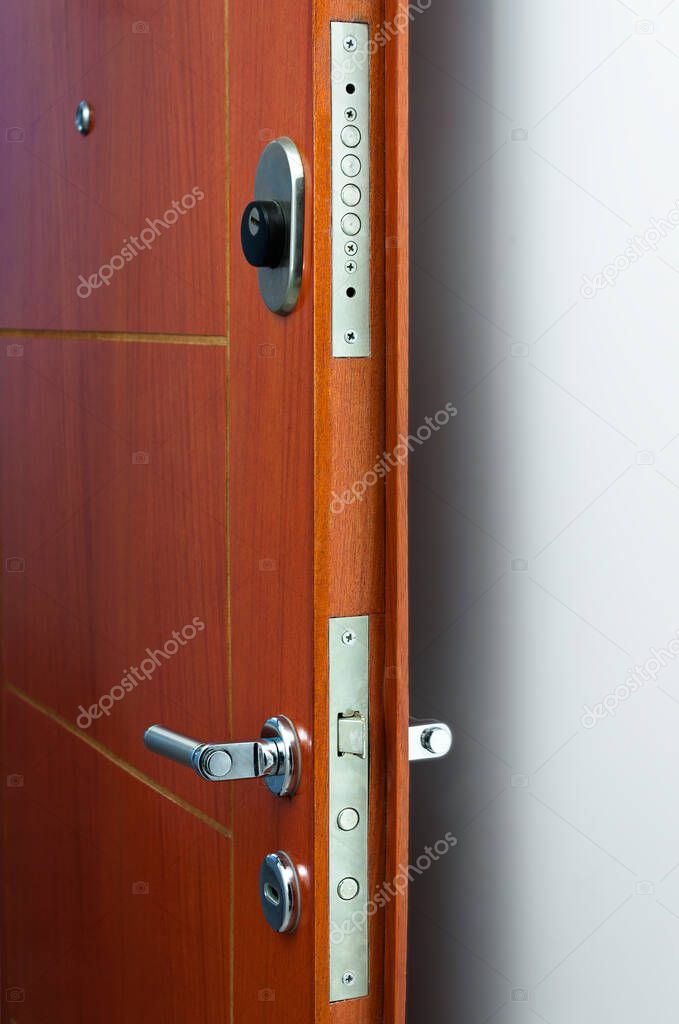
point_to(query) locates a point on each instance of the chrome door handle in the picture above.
(275, 756)
(428, 740)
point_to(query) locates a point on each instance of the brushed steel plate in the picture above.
(350, 69)
(348, 650)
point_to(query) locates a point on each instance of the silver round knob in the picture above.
(348, 889)
(218, 763)
(348, 819)
(438, 740)
(84, 118)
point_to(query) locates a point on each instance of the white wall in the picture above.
(546, 136)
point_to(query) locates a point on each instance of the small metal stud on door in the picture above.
(84, 118)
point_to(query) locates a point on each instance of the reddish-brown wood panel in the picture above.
(115, 510)
(358, 417)
(155, 75)
(271, 508)
(396, 674)
(110, 552)
(115, 899)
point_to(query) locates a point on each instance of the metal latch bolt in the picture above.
(351, 734)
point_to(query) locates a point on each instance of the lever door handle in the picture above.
(275, 756)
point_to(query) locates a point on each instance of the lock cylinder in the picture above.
(263, 233)
(279, 892)
(272, 226)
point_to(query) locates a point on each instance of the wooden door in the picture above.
(170, 451)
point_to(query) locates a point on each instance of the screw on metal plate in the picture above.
(84, 118)
(350, 337)
(350, 43)
(349, 637)
(348, 978)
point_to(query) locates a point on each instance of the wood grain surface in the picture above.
(155, 76)
(271, 428)
(170, 452)
(351, 545)
(117, 863)
(397, 665)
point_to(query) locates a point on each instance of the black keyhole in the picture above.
(272, 894)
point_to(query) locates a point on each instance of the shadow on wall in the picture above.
(452, 561)
(544, 547)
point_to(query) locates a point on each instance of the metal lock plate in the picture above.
(350, 146)
(348, 772)
(279, 892)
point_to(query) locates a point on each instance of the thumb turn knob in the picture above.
(263, 233)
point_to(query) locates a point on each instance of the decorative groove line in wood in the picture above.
(227, 441)
(219, 340)
(396, 682)
(55, 717)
